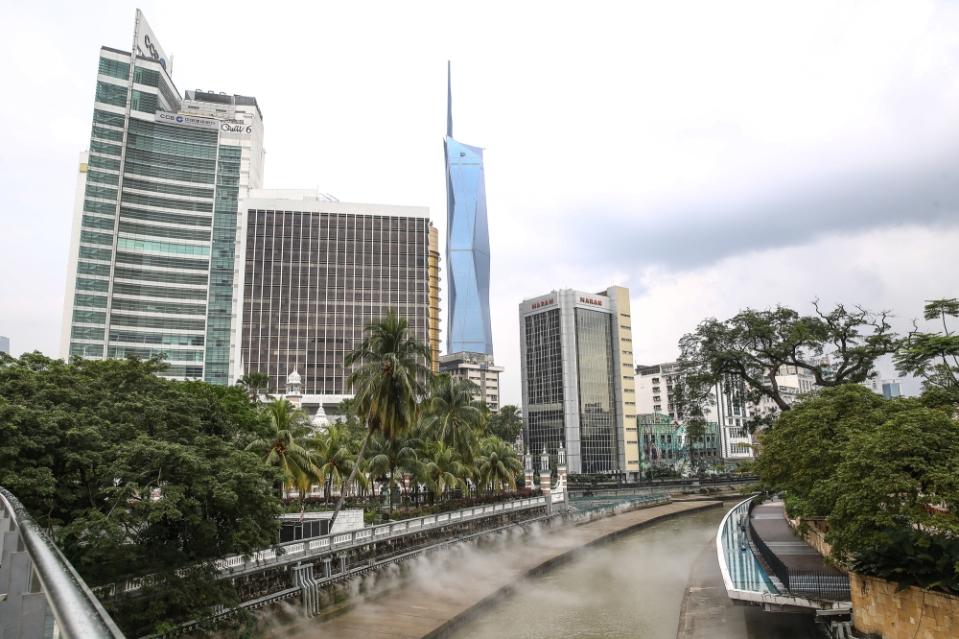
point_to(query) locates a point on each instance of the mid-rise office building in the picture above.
(316, 272)
(479, 369)
(577, 377)
(152, 267)
(725, 410)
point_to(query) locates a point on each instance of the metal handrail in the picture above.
(78, 613)
(290, 551)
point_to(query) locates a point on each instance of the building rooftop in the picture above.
(314, 200)
(224, 98)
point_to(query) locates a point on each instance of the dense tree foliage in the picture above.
(133, 474)
(754, 346)
(934, 356)
(506, 423)
(883, 473)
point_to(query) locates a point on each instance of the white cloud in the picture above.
(644, 120)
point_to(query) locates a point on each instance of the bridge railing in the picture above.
(299, 550)
(41, 594)
(829, 586)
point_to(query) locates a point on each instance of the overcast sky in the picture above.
(709, 156)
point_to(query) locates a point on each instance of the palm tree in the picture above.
(334, 457)
(498, 465)
(451, 416)
(390, 457)
(283, 447)
(386, 384)
(256, 384)
(442, 469)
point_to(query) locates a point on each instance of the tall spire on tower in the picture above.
(449, 101)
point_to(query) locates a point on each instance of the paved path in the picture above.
(769, 522)
(425, 606)
(707, 612)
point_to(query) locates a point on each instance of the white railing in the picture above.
(341, 541)
(28, 559)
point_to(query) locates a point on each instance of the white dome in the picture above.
(293, 378)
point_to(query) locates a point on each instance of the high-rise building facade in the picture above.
(478, 369)
(316, 272)
(577, 379)
(4, 344)
(725, 412)
(467, 244)
(152, 269)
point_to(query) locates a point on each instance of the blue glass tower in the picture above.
(467, 243)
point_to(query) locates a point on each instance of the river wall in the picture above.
(879, 609)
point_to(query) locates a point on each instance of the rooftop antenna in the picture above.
(449, 101)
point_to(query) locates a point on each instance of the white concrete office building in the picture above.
(316, 272)
(151, 268)
(479, 369)
(725, 411)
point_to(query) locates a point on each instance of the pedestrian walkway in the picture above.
(799, 566)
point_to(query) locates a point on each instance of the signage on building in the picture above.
(236, 126)
(147, 45)
(590, 300)
(541, 303)
(186, 120)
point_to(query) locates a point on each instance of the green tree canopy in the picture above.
(883, 473)
(506, 423)
(754, 346)
(134, 474)
(934, 356)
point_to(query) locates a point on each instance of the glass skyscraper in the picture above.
(467, 244)
(152, 263)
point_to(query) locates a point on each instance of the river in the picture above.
(632, 588)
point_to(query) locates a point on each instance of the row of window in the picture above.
(167, 203)
(144, 353)
(161, 170)
(102, 162)
(168, 339)
(164, 231)
(144, 290)
(161, 247)
(170, 323)
(111, 94)
(108, 118)
(162, 261)
(114, 68)
(158, 307)
(199, 279)
(166, 218)
(102, 178)
(169, 189)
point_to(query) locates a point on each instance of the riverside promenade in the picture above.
(427, 607)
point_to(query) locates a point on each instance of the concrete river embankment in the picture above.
(640, 574)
